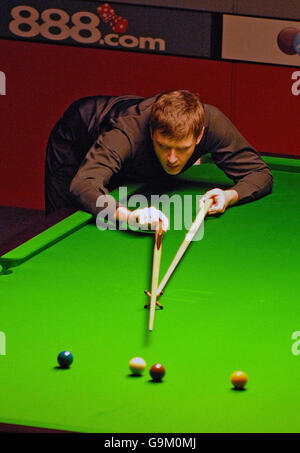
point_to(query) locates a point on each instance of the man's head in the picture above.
(176, 126)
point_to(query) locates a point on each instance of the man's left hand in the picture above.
(221, 199)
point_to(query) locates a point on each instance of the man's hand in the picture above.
(142, 219)
(221, 199)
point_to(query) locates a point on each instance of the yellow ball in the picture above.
(137, 365)
(239, 379)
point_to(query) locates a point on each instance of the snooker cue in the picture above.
(185, 243)
(155, 271)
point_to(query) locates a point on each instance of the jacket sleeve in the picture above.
(239, 160)
(103, 161)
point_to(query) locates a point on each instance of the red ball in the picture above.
(157, 372)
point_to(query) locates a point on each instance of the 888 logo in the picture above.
(54, 24)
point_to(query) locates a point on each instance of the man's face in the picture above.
(172, 154)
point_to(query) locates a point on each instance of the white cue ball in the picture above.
(137, 365)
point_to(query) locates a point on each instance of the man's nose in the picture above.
(172, 158)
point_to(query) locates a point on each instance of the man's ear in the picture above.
(200, 136)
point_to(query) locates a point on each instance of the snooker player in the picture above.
(100, 140)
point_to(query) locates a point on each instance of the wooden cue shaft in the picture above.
(185, 243)
(155, 272)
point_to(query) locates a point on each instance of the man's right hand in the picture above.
(144, 219)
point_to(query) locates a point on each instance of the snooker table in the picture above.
(232, 303)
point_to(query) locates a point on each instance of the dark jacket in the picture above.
(102, 139)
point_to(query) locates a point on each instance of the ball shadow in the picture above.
(132, 375)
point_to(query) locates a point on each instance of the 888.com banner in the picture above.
(112, 26)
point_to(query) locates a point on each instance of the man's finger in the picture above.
(165, 221)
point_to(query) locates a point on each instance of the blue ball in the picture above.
(297, 43)
(65, 359)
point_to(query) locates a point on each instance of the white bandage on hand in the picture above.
(146, 219)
